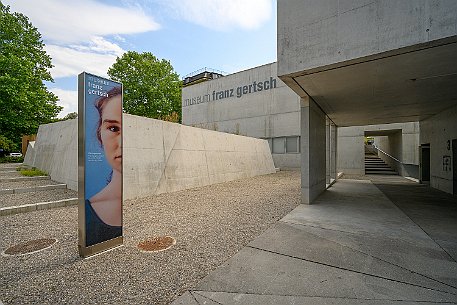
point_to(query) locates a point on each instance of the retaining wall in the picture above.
(158, 156)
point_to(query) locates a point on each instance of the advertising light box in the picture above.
(99, 164)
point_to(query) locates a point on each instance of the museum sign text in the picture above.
(237, 92)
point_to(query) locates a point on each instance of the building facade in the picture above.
(254, 103)
(373, 62)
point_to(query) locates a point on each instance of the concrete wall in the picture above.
(325, 32)
(287, 161)
(437, 131)
(404, 146)
(261, 114)
(176, 157)
(158, 156)
(351, 153)
(400, 140)
(55, 151)
(391, 144)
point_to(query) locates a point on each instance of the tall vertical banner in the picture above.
(99, 164)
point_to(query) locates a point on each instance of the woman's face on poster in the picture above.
(110, 132)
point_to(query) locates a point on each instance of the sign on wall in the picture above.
(99, 164)
(235, 92)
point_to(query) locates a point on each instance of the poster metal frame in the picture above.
(87, 251)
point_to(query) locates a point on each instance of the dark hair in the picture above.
(100, 104)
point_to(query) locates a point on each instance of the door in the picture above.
(454, 166)
(425, 163)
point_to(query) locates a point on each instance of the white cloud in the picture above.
(95, 57)
(100, 45)
(222, 14)
(79, 21)
(67, 99)
(75, 32)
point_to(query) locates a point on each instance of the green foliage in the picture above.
(9, 159)
(32, 172)
(172, 117)
(25, 102)
(151, 86)
(70, 116)
(7, 145)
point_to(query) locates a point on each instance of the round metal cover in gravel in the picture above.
(157, 244)
(30, 246)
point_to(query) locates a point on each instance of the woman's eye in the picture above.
(114, 128)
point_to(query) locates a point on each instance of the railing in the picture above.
(392, 157)
(205, 69)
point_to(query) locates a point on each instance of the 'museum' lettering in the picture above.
(256, 86)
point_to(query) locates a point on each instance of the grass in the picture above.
(31, 172)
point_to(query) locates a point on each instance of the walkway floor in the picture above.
(384, 241)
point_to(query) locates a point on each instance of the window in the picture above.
(279, 145)
(292, 145)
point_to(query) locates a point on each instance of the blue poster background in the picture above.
(97, 168)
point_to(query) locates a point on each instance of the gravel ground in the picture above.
(35, 197)
(23, 184)
(10, 174)
(210, 225)
(10, 165)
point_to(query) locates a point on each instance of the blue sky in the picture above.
(88, 35)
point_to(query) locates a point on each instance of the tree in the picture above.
(70, 116)
(6, 145)
(25, 102)
(151, 87)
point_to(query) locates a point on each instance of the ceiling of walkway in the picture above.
(379, 133)
(397, 88)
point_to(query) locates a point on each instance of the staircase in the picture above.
(376, 166)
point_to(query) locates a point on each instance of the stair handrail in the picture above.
(392, 157)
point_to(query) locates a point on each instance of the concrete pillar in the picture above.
(333, 151)
(313, 150)
(328, 158)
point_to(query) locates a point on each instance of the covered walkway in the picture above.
(386, 240)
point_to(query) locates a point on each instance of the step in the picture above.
(381, 173)
(37, 206)
(380, 169)
(24, 178)
(374, 161)
(33, 189)
(378, 166)
(9, 166)
(26, 184)
(27, 198)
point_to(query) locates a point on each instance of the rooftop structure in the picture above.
(201, 75)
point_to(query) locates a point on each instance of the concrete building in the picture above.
(239, 103)
(372, 62)
(254, 103)
(345, 71)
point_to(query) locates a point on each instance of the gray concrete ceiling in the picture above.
(379, 133)
(398, 88)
